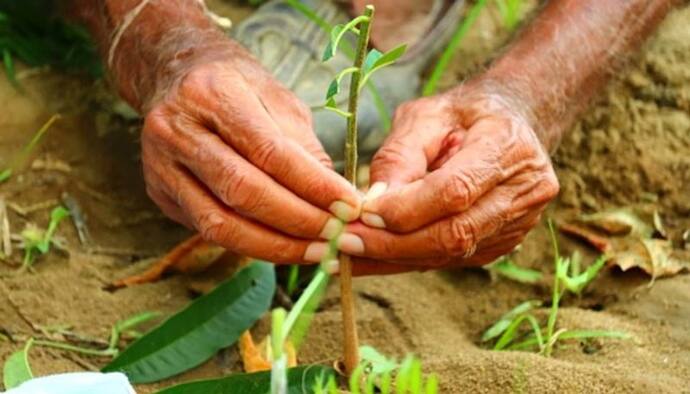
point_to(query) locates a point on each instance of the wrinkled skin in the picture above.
(466, 178)
(230, 152)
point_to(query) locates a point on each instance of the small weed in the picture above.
(21, 158)
(121, 328)
(377, 374)
(36, 242)
(505, 332)
(505, 267)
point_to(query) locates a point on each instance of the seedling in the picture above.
(365, 64)
(506, 333)
(36, 242)
(122, 327)
(376, 374)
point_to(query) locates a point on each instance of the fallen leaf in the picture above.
(626, 238)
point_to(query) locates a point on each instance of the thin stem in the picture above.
(351, 342)
(432, 84)
(556, 295)
(71, 348)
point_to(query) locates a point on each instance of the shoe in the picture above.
(291, 46)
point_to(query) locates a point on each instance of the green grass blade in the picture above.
(208, 324)
(431, 385)
(9, 68)
(5, 174)
(17, 369)
(509, 335)
(299, 318)
(505, 267)
(555, 295)
(431, 85)
(293, 279)
(300, 380)
(505, 321)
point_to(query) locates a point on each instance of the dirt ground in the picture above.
(631, 147)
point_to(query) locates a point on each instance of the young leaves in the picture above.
(300, 380)
(337, 34)
(210, 323)
(17, 370)
(37, 241)
(576, 282)
(505, 321)
(376, 60)
(510, 270)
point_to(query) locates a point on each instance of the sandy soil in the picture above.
(631, 147)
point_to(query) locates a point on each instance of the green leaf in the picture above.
(379, 363)
(337, 34)
(210, 323)
(373, 56)
(577, 283)
(300, 380)
(510, 332)
(334, 87)
(5, 174)
(298, 320)
(504, 322)
(379, 61)
(56, 216)
(17, 369)
(510, 270)
(9, 68)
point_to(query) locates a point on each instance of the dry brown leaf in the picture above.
(626, 239)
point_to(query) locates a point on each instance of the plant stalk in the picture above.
(347, 303)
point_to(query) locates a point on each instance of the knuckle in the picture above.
(459, 237)
(390, 154)
(212, 227)
(457, 191)
(266, 152)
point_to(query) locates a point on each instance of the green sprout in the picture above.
(122, 328)
(377, 374)
(36, 241)
(19, 160)
(505, 333)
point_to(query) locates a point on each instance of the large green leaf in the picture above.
(17, 370)
(192, 336)
(301, 380)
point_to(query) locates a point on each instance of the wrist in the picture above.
(540, 106)
(157, 45)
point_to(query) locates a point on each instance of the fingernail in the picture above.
(315, 251)
(344, 211)
(331, 267)
(351, 244)
(373, 220)
(376, 190)
(332, 228)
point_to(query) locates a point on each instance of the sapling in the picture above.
(36, 242)
(365, 64)
(566, 278)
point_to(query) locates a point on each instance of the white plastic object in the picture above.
(77, 383)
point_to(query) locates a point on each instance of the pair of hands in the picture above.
(229, 151)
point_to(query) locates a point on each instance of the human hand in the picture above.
(230, 152)
(460, 181)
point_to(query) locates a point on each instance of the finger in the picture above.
(246, 189)
(455, 236)
(257, 136)
(223, 226)
(417, 136)
(168, 206)
(477, 168)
